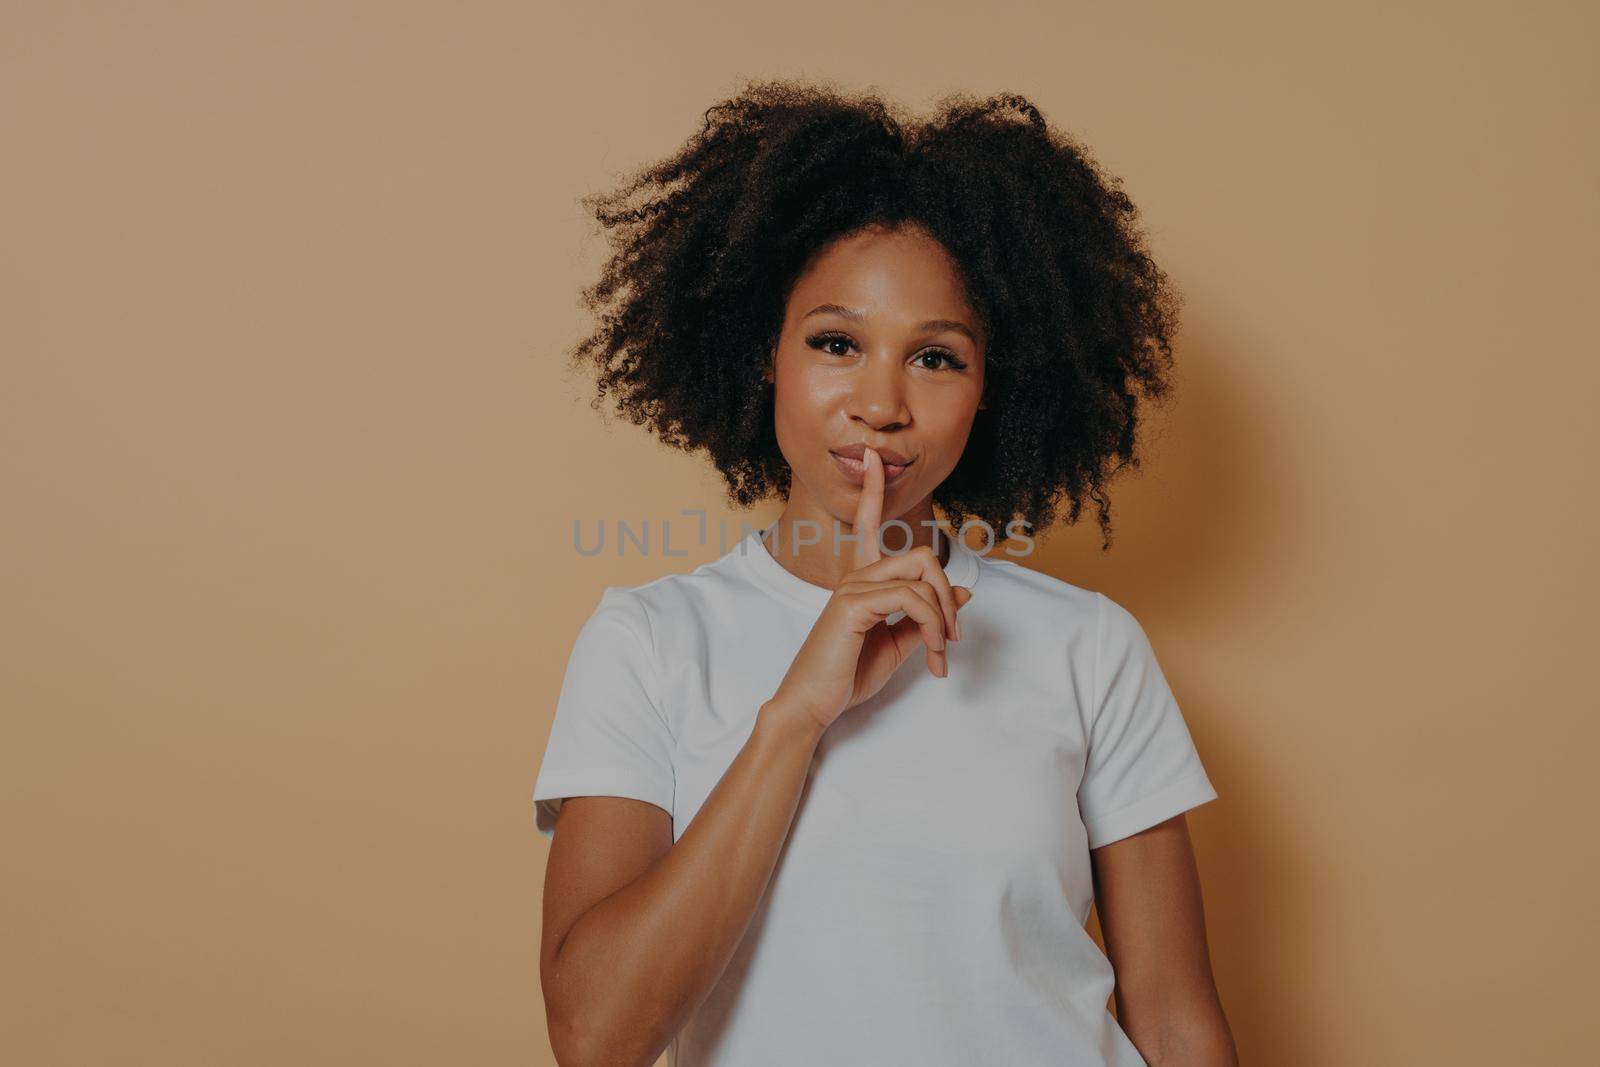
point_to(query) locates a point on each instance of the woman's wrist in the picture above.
(789, 723)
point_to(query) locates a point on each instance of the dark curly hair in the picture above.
(707, 244)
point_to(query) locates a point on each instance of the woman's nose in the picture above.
(877, 395)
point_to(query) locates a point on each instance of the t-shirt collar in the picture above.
(764, 568)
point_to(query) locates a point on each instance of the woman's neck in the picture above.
(819, 548)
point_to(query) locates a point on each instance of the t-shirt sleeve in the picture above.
(1142, 766)
(610, 735)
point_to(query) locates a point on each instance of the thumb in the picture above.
(962, 595)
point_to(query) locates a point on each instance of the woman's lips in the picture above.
(856, 470)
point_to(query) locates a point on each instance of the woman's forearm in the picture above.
(1199, 1038)
(636, 965)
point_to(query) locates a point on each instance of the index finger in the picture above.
(869, 509)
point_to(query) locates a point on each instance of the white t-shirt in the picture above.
(930, 901)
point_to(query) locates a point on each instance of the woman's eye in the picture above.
(939, 353)
(823, 341)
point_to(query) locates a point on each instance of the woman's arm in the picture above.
(1147, 888)
(638, 929)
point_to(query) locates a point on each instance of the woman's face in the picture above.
(879, 347)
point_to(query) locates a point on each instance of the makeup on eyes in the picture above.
(819, 340)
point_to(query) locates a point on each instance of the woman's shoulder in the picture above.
(1033, 588)
(1039, 597)
(669, 596)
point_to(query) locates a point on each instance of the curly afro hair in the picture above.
(707, 244)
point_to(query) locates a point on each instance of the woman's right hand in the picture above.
(852, 651)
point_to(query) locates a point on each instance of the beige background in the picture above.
(290, 464)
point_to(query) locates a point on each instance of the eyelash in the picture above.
(817, 340)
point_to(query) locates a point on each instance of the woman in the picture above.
(776, 846)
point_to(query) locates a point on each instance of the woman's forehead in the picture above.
(877, 278)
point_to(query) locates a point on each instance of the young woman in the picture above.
(778, 843)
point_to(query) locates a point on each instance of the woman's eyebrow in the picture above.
(857, 316)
